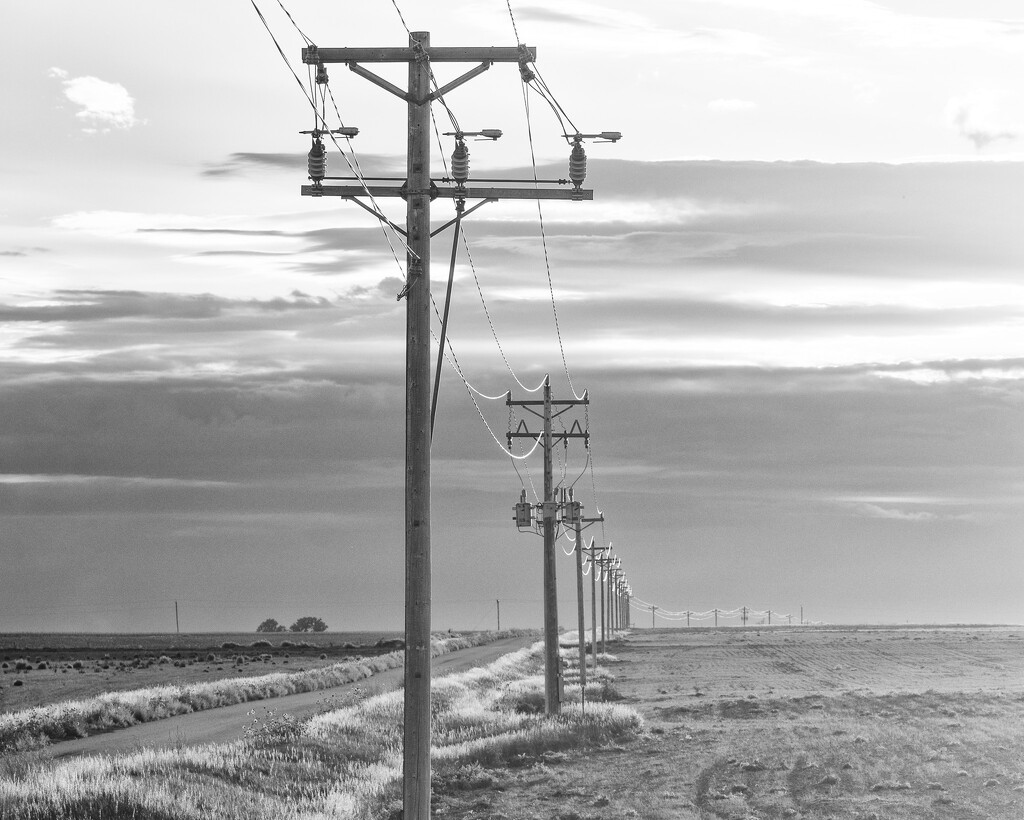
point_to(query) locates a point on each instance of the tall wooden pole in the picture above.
(552, 663)
(416, 751)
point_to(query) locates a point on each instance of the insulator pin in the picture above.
(577, 165)
(316, 162)
(460, 163)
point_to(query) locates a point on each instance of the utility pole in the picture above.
(177, 628)
(498, 602)
(801, 615)
(716, 618)
(592, 556)
(653, 608)
(744, 616)
(549, 513)
(418, 190)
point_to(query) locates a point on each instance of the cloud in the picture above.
(239, 163)
(980, 118)
(104, 106)
(544, 15)
(731, 105)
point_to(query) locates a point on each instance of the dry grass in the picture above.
(33, 728)
(344, 763)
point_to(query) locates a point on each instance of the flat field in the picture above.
(53, 667)
(849, 723)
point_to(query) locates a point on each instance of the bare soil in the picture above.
(847, 723)
(75, 666)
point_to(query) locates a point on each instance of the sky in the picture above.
(795, 301)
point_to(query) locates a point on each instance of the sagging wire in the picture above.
(449, 355)
(544, 244)
(322, 121)
(490, 321)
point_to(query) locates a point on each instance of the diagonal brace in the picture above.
(451, 222)
(380, 81)
(383, 218)
(465, 78)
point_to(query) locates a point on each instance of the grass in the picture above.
(344, 763)
(33, 728)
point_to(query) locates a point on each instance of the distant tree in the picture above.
(270, 625)
(307, 623)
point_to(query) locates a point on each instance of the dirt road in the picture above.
(227, 723)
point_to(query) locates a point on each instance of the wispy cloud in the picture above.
(103, 106)
(980, 118)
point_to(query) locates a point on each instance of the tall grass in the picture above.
(341, 764)
(33, 728)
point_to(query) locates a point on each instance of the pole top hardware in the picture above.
(350, 131)
(485, 134)
(604, 136)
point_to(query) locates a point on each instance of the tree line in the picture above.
(307, 623)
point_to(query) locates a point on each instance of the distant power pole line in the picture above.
(177, 629)
(549, 514)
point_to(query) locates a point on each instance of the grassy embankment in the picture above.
(36, 727)
(344, 763)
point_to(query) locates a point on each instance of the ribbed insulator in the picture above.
(321, 74)
(577, 165)
(460, 163)
(317, 162)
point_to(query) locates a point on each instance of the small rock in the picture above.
(962, 773)
(847, 766)
(789, 812)
(601, 801)
(739, 788)
(936, 787)
(753, 766)
(943, 800)
(991, 782)
(828, 780)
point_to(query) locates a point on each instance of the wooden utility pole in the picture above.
(593, 603)
(653, 608)
(177, 628)
(574, 509)
(549, 518)
(418, 190)
(498, 602)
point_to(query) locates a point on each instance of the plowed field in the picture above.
(844, 723)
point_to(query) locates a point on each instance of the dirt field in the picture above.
(855, 723)
(56, 667)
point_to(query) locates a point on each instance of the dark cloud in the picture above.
(244, 162)
(98, 305)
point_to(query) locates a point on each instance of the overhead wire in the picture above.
(321, 120)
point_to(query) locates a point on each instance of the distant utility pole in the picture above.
(653, 608)
(418, 190)
(177, 628)
(604, 562)
(498, 602)
(744, 616)
(549, 513)
(592, 557)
